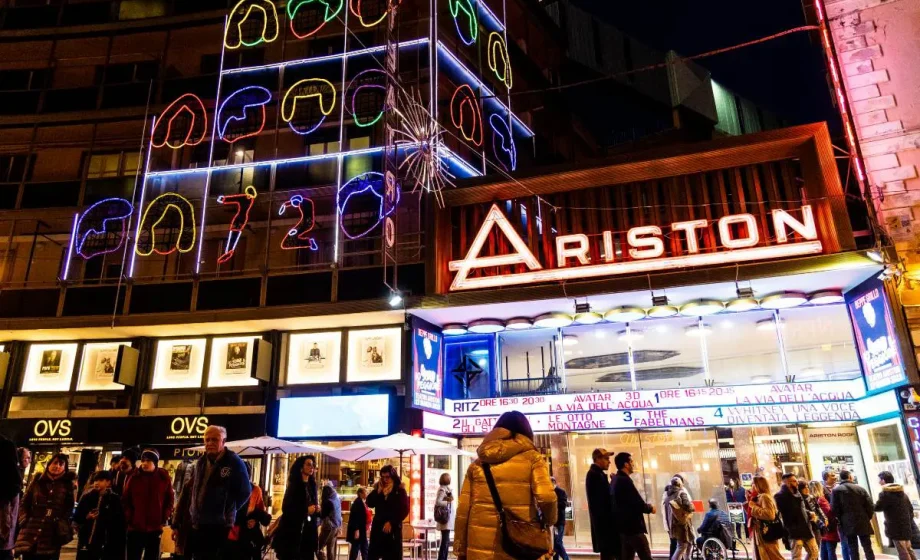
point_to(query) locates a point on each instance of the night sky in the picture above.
(786, 75)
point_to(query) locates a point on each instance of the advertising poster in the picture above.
(876, 336)
(736, 512)
(180, 359)
(427, 369)
(51, 362)
(838, 463)
(105, 363)
(373, 352)
(315, 354)
(236, 357)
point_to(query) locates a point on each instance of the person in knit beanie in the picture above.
(148, 503)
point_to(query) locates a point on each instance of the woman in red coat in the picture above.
(45, 512)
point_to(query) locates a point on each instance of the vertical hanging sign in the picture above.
(390, 164)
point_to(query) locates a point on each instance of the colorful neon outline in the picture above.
(496, 41)
(456, 113)
(354, 6)
(222, 129)
(374, 185)
(237, 225)
(472, 19)
(352, 94)
(288, 109)
(506, 135)
(328, 16)
(176, 205)
(127, 211)
(299, 232)
(257, 5)
(191, 129)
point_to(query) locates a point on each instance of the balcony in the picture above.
(549, 385)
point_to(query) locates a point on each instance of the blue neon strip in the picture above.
(73, 234)
(325, 58)
(486, 13)
(472, 78)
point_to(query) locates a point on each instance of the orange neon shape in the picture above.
(185, 103)
(467, 103)
(354, 6)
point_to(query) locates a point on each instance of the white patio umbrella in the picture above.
(267, 445)
(395, 445)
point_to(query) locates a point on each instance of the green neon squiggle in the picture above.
(470, 11)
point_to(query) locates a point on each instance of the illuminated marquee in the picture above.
(646, 248)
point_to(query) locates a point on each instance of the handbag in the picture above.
(442, 513)
(519, 536)
(772, 531)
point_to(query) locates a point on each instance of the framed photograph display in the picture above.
(180, 364)
(375, 354)
(314, 357)
(232, 361)
(97, 372)
(49, 367)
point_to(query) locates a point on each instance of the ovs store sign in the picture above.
(741, 239)
(187, 428)
(59, 430)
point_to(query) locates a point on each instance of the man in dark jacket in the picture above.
(148, 503)
(715, 524)
(600, 511)
(562, 499)
(219, 489)
(101, 522)
(127, 462)
(899, 514)
(854, 510)
(629, 510)
(796, 519)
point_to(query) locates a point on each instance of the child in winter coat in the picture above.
(101, 521)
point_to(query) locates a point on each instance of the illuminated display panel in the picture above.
(375, 354)
(97, 370)
(356, 416)
(49, 368)
(179, 364)
(231, 362)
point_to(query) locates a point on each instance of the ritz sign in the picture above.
(646, 249)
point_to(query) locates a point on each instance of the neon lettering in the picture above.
(296, 237)
(247, 198)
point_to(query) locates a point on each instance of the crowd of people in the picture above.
(509, 507)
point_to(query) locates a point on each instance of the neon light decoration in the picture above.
(362, 188)
(187, 113)
(244, 105)
(354, 6)
(99, 224)
(177, 211)
(472, 25)
(296, 237)
(425, 161)
(240, 14)
(331, 9)
(462, 102)
(244, 199)
(503, 142)
(365, 79)
(498, 52)
(320, 88)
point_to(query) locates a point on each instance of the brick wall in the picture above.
(878, 43)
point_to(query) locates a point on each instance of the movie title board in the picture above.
(782, 393)
(689, 417)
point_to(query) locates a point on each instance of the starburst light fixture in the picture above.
(420, 135)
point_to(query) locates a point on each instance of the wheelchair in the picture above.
(714, 549)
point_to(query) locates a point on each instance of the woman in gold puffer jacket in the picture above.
(523, 484)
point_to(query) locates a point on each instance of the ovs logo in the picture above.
(189, 426)
(52, 428)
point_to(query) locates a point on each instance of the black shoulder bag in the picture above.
(520, 537)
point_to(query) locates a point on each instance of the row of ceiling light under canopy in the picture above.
(660, 309)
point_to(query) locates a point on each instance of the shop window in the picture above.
(819, 343)
(528, 361)
(744, 348)
(468, 367)
(112, 165)
(885, 449)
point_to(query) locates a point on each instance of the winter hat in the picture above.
(150, 455)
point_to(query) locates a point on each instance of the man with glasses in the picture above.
(629, 510)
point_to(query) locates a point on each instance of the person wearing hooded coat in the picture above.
(296, 537)
(679, 512)
(604, 537)
(10, 487)
(523, 483)
(45, 511)
(899, 515)
(666, 518)
(391, 507)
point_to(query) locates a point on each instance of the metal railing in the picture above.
(534, 386)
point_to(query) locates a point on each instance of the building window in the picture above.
(131, 72)
(23, 80)
(141, 9)
(14, 168)
(118, 164)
